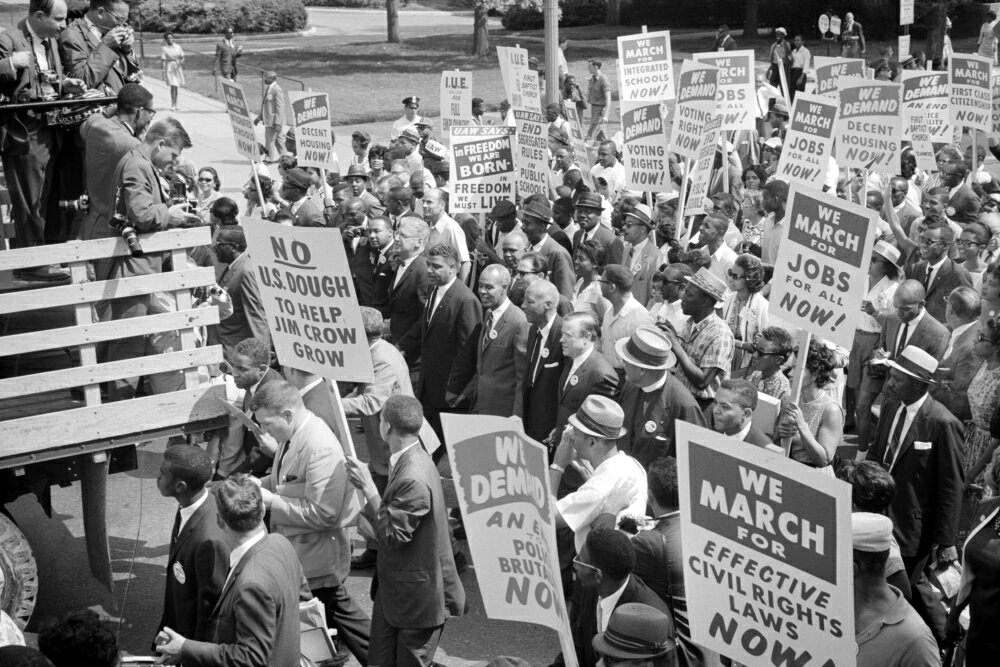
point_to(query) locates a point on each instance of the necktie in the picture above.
(488, 328)
(901, 343)
(177, 527)
(536, 353)
(897, 434)
(927, 279)
(431, 303)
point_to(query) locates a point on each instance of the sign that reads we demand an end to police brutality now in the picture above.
(482, 167)
(239, 118)
(312, 310)
(767, 547)
(646, 67)
(809, 140)
(313, 136)
(819, 282)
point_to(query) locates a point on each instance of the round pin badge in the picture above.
(545, 353)
(573, 380)
(650, 426)
(950, 211)
(178, 571)
(493, 334)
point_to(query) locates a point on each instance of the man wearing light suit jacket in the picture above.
(959, 363)
(545, 360)
(643, 258)
(410, 288)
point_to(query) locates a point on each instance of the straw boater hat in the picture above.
(642, 214)
(599, 417)
(665, 197)
(916, 363)
(709, 283)
(636, 632)
(870, 532)
(357, 171)
(888, 252)
(647, 348)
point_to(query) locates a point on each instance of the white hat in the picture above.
(871, 532)
(781, 30)
(888, 251)
(916, 363)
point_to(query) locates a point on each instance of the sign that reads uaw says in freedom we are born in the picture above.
(312, 310)
(482, 167)
(313, 136)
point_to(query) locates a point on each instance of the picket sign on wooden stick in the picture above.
(681, 199)
(800, 367)
(256, 181)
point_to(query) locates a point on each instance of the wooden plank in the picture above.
(38, 383)
(122, 419)
(70, 295)
(87, 251)
(187, 335)
(52, 339)
(84, 314)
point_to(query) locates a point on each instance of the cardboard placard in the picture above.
(644, 153)
(532, 157)
(736, 87)
(829, 70)
(513, 61)
(920, 141)
(482, 167)
(808, 145)
(928, 93)
(701, 172)
(869, 124)
(904, 47)
(240, 119)
(905, 13)
(971, 92)
(646, 67)
(697, 87)
(574, 123)
(456, 100)
(313, 135)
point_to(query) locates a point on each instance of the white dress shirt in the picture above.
(605, 606)
(187, 512)
(575, 366)
(439, 294)
(908, 413)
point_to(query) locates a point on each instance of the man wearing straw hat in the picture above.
(643, 259)
(921, 444)
(705, 347)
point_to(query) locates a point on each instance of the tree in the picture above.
(750, 22)
(480, 21)
(392, 21)
(614, 15)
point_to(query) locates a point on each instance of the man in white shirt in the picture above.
(444, 229)
(410, 106)
(774, 200)
(625, 315)
(610, 169)
(801, 62)
(712, 234)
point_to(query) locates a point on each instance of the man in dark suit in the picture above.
(921, 444)
(417, 586)
(496, 380)
(545, 360)
(410, 288)
(294, 189)
(959, 363)
(936, 271)
(731, 413)
(604, 566)
(371, 266)
(451, 318)
(963, 203)
(226, 55)
(905, 211)
(588, 216)
(256, 621)
(248, 319)
(98, 47)
(653, 399)
(250, 367)
(535, 221)
(198, 560)
(910, 324)
(586, 371)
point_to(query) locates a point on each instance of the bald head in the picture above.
(496, 273)
(544, 291)
(910, 291)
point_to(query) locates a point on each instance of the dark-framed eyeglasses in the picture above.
(761, 353)
(965, 243)
(736, 276)
(521, 273)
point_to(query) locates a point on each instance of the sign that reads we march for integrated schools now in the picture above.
(767, 547)
(239, 117)
(697, 86)
(829, 70)
(532, 153)
(502, 483)
(313, 136)
(646, 67)
(971, 92)
(482, 167)
(927, 93)
(809, 141)
(645, 153)
(736, 87)
(826, 244)
(869, 124)
(308, 294)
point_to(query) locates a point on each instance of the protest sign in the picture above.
(971, 92)
(532, 153)
(829, 70)
(508, 509)
(644, 153)
(456, 100)
(995, 81)
(869, 124)
(313, 136)
(646, 67)
(308, 296)
(835, 25)
(482, 167)
(736, 86)
(819, 282)
(920, 141)
(768, 550)
(809, 141)
(928, 93)
(531, 91)
(905, 13)
(513, 61)
(701, 172)
(241, 120)
(904, 47)
(697, 86)
(574, 125)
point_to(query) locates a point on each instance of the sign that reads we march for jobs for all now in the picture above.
(819, 282)
(482, 167)
(312, 310)
(736, 87)
(502, 483)
(239, 117)
(971, 92)
(768, 548)
(646, 67)
(809, 141)
(313, 136)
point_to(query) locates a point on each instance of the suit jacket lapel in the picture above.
(189, 527)
(917, 427)
(440, 306)
(945, 269)
(236, 570)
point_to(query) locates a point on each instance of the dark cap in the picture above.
(357, 171)
(298, 178)
(538, 210)
(589, 200)
(412, 99)
(503, 208)
(134, 95)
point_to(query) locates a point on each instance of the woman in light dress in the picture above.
(816, 423)
(172, 57)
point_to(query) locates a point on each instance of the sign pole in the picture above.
(681, 200)
(256, 182)
(800, 367)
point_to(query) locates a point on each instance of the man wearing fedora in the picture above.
(588, 216)
(357, 177)
(643, 258)
(410, 116)
(921, 444)
(705, 347)
(624, 316)
(652, 398)
(637, 634)
(535, 219)
(295, 190)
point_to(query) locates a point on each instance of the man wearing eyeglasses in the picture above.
(98, 47)
(936, 271)
(248, 319)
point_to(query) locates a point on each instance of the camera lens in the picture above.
(132, 241)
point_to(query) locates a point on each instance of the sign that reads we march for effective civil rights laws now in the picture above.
(767, 547)
(736, 87)
(697, 86)
(971, 95)
(482, 167)
(502, 482)
(826, 244)
(809, 141)
(646, 67)
(312, 310)
(869, 124)
(313, 136)
(239, 117)
(645, 154)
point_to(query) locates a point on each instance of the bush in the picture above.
(243, 16)
(572, 13)
(345, 3)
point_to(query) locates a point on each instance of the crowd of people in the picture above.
(586, 314)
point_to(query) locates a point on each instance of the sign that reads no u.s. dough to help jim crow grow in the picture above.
(313, 136)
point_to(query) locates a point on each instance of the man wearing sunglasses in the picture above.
(98, 47)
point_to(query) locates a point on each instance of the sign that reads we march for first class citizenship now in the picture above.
(819, 281)
(929, 94)
(869, 124)
(239, 117)
(646, 67)
(313, 136)
(508, 508)
(482, 167)
(768, 548)
(532, 153)
(829, 70)
(809, 141)
(971, 92)
(308, 295)
(736, 87)
(645, 155)
(697, 86)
